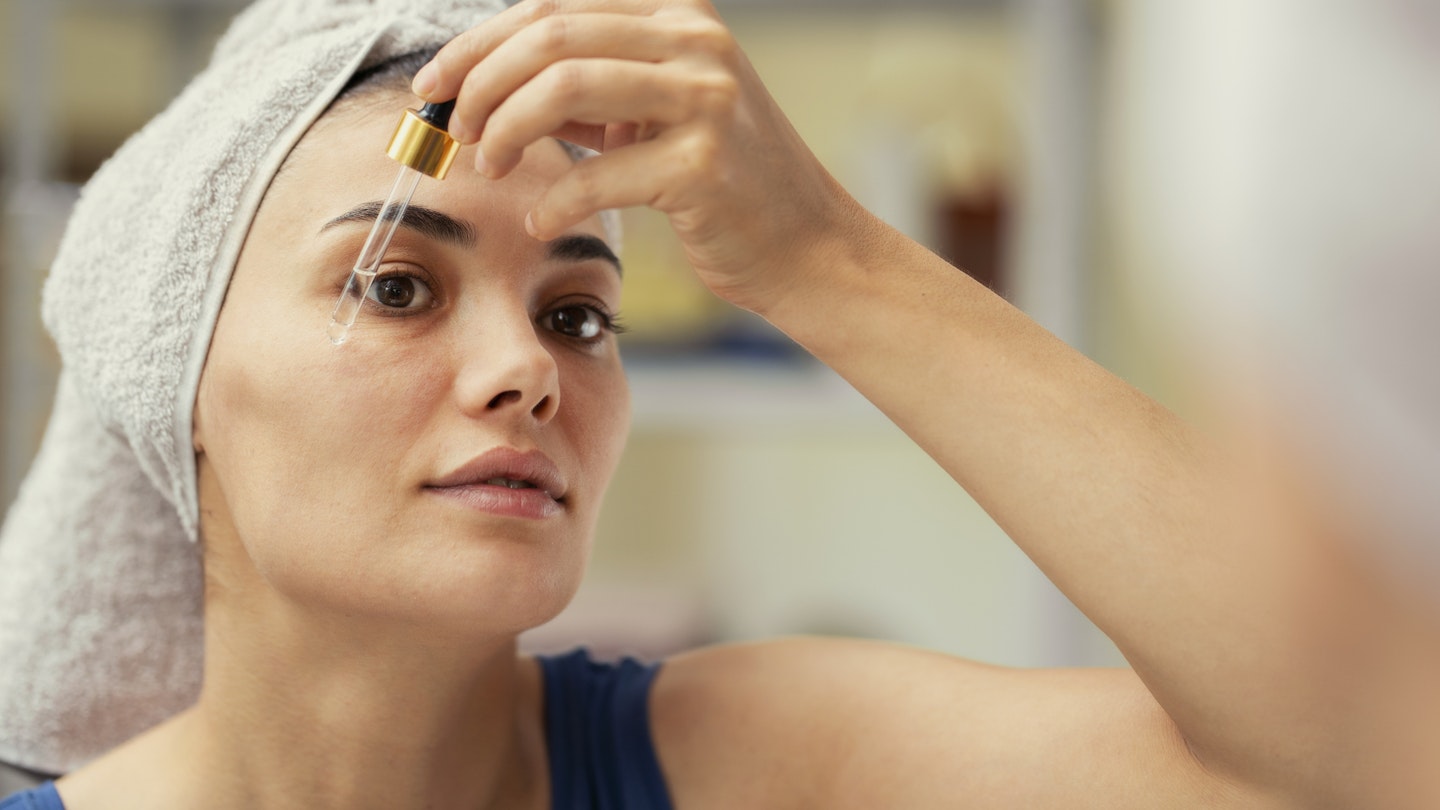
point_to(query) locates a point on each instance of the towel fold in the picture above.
(100, 592)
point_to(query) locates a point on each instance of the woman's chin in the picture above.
(464, 587)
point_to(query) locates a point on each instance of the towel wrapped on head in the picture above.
(100, 586)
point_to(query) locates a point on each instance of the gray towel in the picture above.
(100, 588)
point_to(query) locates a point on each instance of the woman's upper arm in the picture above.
(839, 724)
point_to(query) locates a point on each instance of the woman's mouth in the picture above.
(507, 483)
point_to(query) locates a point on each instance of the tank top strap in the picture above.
(597, 729)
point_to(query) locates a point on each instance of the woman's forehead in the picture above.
(341, 162)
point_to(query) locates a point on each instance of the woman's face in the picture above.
(447, 460)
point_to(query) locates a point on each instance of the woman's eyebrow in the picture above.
(582, 247)
(443, 227)
(427, 221)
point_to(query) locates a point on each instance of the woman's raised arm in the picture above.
(1132, 513)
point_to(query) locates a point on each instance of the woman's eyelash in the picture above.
(613, 322)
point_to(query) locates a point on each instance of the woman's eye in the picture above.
(577, 321)
(400, 292)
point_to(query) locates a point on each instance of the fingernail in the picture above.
(424, 83)
(482, 165)
(530, 225)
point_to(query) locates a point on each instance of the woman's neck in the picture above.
(306, 712)
(364, 714)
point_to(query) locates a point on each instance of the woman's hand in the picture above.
(684, 125)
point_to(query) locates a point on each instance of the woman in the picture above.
(381, 519)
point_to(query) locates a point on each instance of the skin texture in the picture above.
(360, 635)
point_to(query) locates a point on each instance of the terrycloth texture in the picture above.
(100, 592)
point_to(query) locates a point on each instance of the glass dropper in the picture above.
(422, 147)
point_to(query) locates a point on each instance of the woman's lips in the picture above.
(505, 482)
(534, 504)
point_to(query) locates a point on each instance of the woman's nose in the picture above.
(506, 370)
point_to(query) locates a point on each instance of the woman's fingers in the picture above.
(599, 137)
(600, 91)
(683, 123)
(441, 79)
(636, 175)
(554, 39)
(590, 136)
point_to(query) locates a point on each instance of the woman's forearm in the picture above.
(1119, 502)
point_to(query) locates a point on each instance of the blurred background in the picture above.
(759, 495)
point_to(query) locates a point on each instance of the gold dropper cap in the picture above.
(422, 146)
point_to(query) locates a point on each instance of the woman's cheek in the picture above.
(600, 396)
(299, 412)
(359, 414)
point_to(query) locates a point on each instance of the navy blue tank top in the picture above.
(597, 727)
(597, 724)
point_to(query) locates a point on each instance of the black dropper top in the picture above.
(437, 114)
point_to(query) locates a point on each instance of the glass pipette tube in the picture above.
(368, 265)
(422, 147)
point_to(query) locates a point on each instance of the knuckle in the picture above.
(543, 8)
(717, 92)
(472, 87)
(567, 82)
(706, 151)
(553, 34)
(706, 36)
(698, 155)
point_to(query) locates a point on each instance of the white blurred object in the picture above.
(646, 620)
(1286, 160)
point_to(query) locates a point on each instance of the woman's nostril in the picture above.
(505, 398)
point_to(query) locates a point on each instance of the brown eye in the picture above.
(400, 292)
(578, 322)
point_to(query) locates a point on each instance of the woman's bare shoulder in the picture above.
(836, 723)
